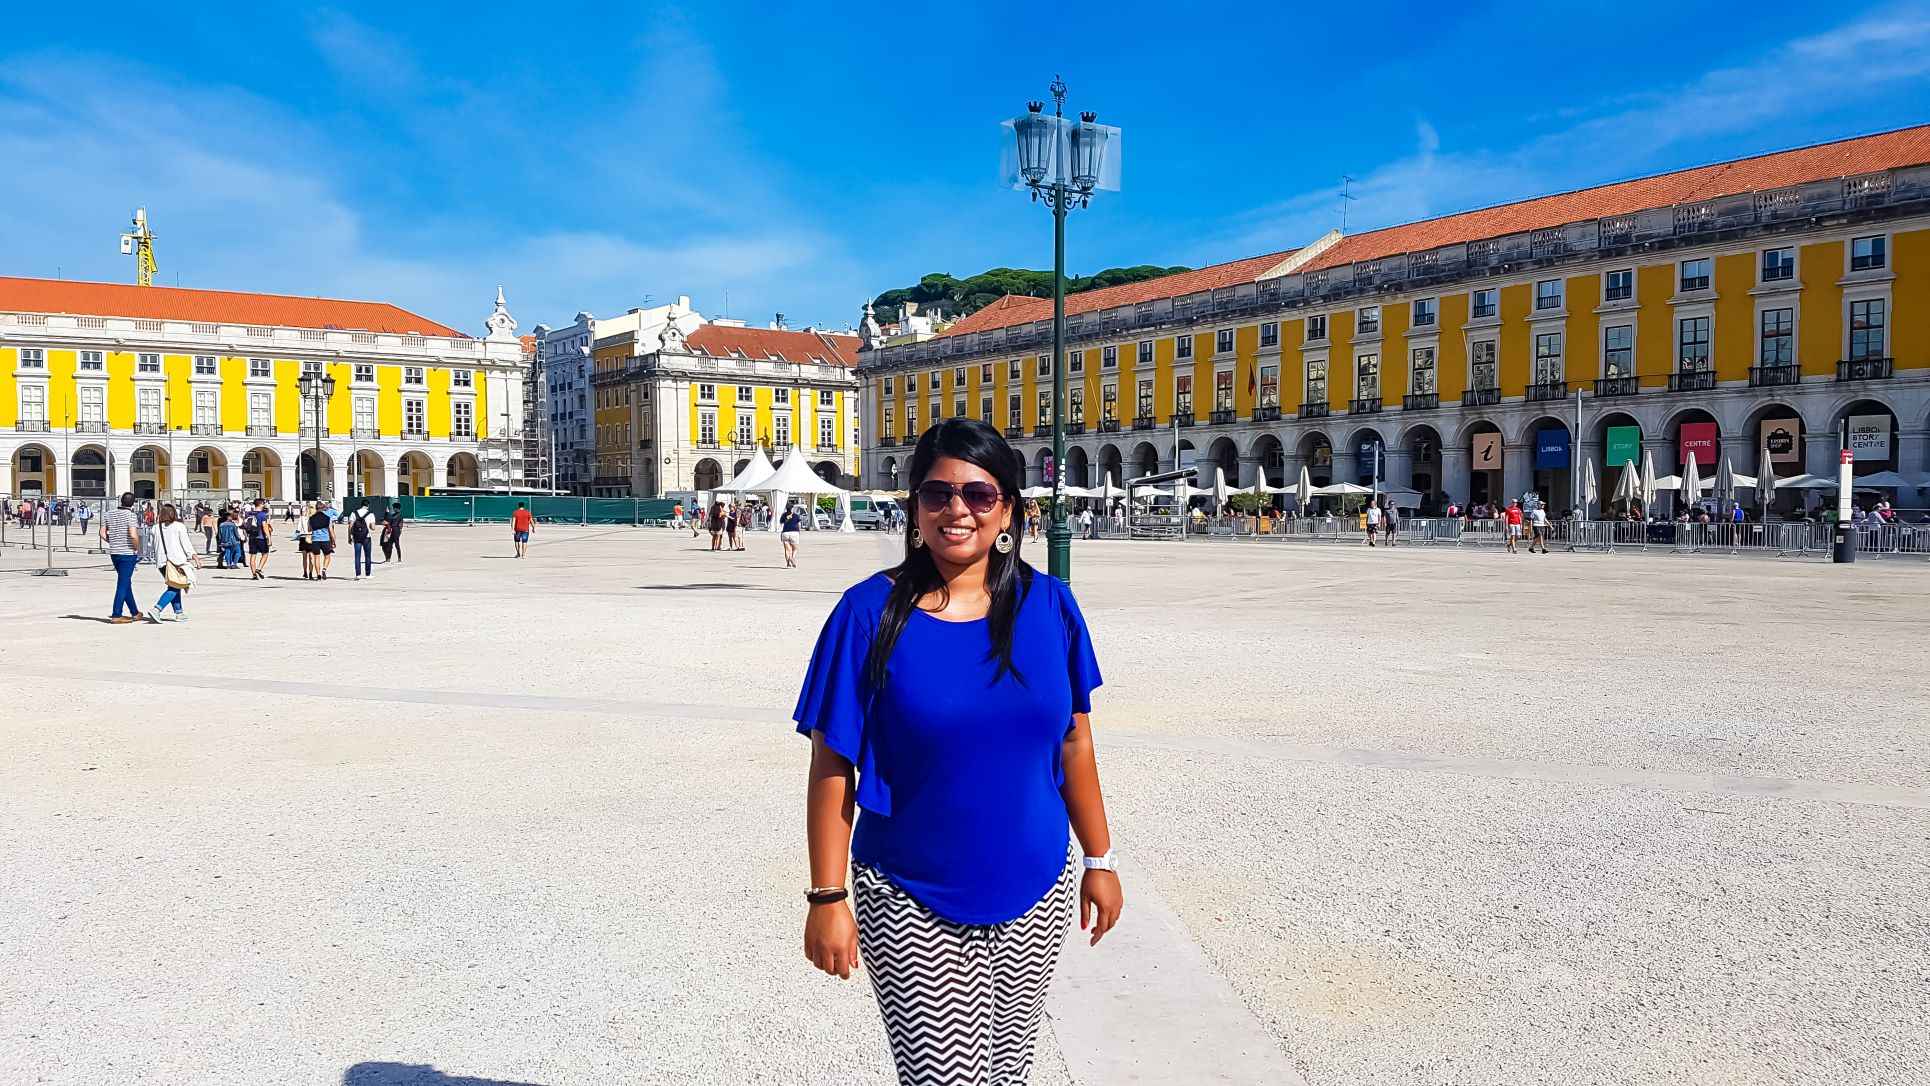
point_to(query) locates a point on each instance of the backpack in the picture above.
(358, 529)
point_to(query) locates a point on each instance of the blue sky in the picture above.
(805, 157)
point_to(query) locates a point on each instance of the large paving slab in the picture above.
(1419, 817)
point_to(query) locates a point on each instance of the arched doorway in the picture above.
(1423, 444)
(148, 471)
(261, 473)
(738, 469)
(1370, 456)
(462, 471)
(1482, 439)
(1551, 450)
(1775, 430)
(415, 473)
(1112, 464)
(1078, 467)
(829, 471)
(1145, 461)
(1317, 456)
(365, 474)
(888, 472)
(33, 471)
(1694, 431)
(90, 472)
(1225, 456)
(1619, 436)
(1874, 448)
(709, 475)
(316, 473)
(207, 469)
(1041, 468)
(1270, 462)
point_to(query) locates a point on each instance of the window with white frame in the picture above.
(462, 418)
(149, 363)
(462, 378)
(1868, 254)
(1426, 311)
(204, 365)
(1223, 341)
(1076, 404)
(1109, 401)
(781, 431)
(985, 373)
(33, 358)
(205, 413)
(1696, 274)
(1109, 357)
(937, 412)
(1484, 302)
(261, 409)
(1015, 410)
(33, 403)
(1867, 323)
(890, 420)
(1618, 285)
(1145, 352)
(1548, 294)
(1548, 366)
(364, 419)
(745, 394)
(1481, 355)
(707, 428)
(1367, 320)
(958, 406)
(1779, 265)
(1316, 380)
(365, 373)
(412, 375)
(311, 368)
(1045, 407)
(1421, 380)
(1075, 362)
(1183, 347)
(92, 362)
(827, 431)
(1778, 337)
(1223, 390)
(706, 393)
(888, 384)
(147, 407)
(745, 434)
(958, 376)
(932, 379)
(1692, 344)
(1317, 326)
(1014, 370)
(1183, 394)
(1269, 333)
(93, 404)
(1367, 377)
(911, 419)
(1045, 365)
(781, 397)
(260, 367)
(1618, 351)
(1145, 398)
(985, 408)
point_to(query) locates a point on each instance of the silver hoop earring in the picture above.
(1004, 543)
(917, 540)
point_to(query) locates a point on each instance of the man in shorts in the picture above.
(521, 523)
(1373, 522)
(1513, 529)
(1538, 524)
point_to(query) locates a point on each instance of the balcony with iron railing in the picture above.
(91, 426)
(1864, 369)
(1617, 386)
(1222, 416)
(1420, 401)
(1015, 431)
(150, 427)
(1767, 376)
(1481, 397)
(261, 429)
(34, 426)
(205, 429)
(1144, 422)
(1692, 381)
(365, 433)
(407, 431)
(1183, 418)
(1269, 413)
(1074, 429)
(1108, 426)
(1369, 406)
(1318, 410)
(1548, 390)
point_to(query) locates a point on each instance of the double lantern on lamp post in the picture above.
(1062, 163)
(317, 390)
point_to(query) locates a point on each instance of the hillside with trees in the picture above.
(941, 294)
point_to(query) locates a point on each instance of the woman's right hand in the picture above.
(831, 939)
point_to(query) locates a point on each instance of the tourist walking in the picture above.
(1390, 523)
(121, 534)
(177, 562)
(741, 528)
(1511, 525)
(948, 699)
(787, 534)
(258, 528)
(392, 534)
(1373, 522)
(361, 538)
(84, 513)
(321, 543)
(716, 525)
(521, 524)
(1538, 526)
(229, 535)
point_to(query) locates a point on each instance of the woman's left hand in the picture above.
(1100, 900)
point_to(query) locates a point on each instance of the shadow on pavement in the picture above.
(90, 618)
(379, 1073)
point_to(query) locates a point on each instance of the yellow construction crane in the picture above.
(141, 244)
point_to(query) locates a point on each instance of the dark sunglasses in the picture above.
(936, 497)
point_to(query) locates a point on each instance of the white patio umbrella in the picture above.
(1807, 482)
(1724, 490)
(1691, 482)
(1591, 486)
(1628, 488)
(1040, 491)
(1219, 490)
(1648, 482)
(1303, 490)
(1336, 490)
(1260, 489)
(1765, 483)
(1881, 480)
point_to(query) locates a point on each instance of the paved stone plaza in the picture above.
(1415, 817)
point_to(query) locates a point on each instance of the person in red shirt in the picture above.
(1514, 525)
(521, 524)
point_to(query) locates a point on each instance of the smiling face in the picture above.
(955, 534)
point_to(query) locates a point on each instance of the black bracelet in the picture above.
(827, 896)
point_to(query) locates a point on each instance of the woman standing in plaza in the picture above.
(948, 697)
(716, 525)
(788, 529)
(174, 550)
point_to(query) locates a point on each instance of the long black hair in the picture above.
(1007, 577)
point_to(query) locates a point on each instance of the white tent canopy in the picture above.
(755, 472)
(1339, 489)
(795, 477)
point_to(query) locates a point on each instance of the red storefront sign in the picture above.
(1698, 438)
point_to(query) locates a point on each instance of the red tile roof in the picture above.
(1778, 169)
(790, 346)
(67, 296)
(1018, 309)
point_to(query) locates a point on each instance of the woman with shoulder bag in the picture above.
(174, 553)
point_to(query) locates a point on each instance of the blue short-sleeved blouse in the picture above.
(958, 770)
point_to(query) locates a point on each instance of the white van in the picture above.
(869, 512)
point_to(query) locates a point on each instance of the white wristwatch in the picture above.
(1108, 862)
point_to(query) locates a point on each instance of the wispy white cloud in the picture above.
(1868, 57)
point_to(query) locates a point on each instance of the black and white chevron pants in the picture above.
(961, 1002)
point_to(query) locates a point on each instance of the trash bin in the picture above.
(1843, 542)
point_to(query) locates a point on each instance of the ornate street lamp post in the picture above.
(1061, 163)
(317, 389)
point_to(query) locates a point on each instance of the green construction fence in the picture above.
(495, 509)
